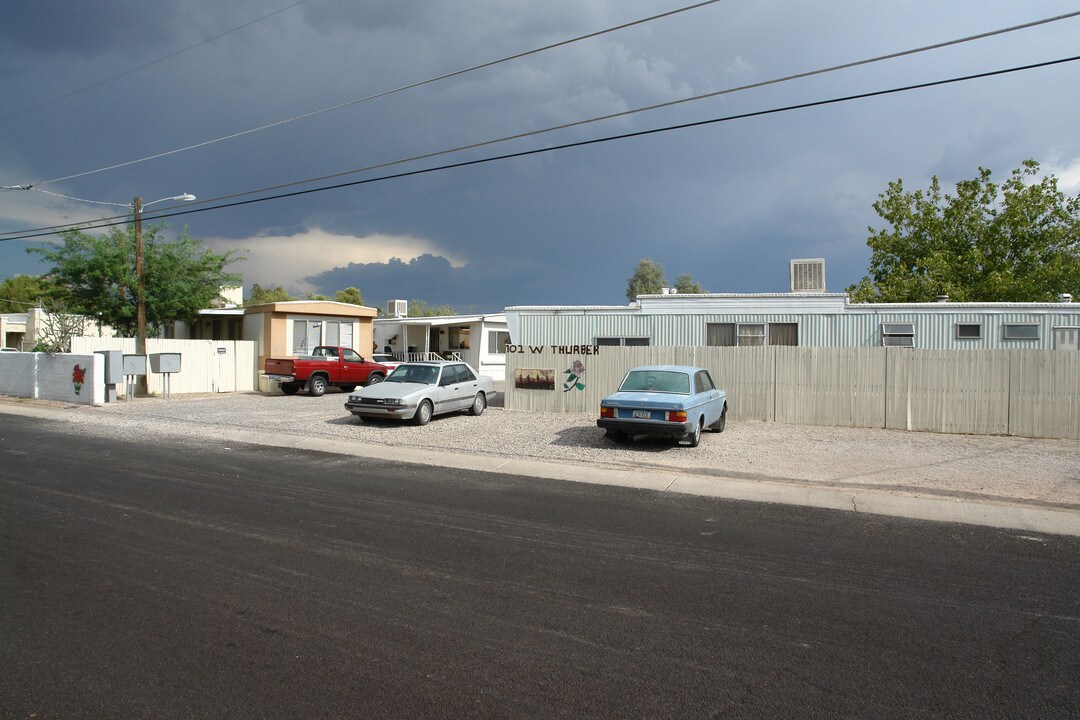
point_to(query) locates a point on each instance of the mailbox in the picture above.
(165, 362)
(134, 365)
(114, 366)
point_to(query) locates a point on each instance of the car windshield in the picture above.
(664, 381)
(422, 374)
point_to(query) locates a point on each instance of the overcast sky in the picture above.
(729, 202)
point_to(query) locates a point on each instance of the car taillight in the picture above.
(607, 412)
(676, 416)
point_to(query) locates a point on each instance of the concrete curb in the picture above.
(1001, 514)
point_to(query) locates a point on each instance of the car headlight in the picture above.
(354, 398)
(394, 401)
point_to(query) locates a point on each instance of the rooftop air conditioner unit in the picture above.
(808, 275)
(397, 308)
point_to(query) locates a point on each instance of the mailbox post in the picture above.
(134, 366)
(166, 364)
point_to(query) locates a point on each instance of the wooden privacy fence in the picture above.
(1030, 393)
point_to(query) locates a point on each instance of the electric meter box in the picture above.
(165, 362)
(114, 366)
(134, 365)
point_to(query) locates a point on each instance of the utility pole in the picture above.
(140, 295)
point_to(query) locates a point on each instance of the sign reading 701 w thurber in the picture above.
(556, 349)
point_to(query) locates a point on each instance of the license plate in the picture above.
(643, 414)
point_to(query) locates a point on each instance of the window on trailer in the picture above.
(1021, 331)
(968, 331)
(497, 341)
(307, 335)
(898, 335)
(751, 335)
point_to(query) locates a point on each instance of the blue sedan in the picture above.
(671, 401)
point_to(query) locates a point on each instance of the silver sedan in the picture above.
(418, 391)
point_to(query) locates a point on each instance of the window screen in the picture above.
(783, 333)
(307, 335)
(345, 334)
(720, 334)
(497, 341)
(751, 335)
(968, 331)
(1021, 331)
(898, 335)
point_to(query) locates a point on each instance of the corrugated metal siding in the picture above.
(854, 329)
(1045, 390)
(954, 391)
(1026, 393)
(830, 386)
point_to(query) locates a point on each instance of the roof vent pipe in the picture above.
(943, 298)
(1065, 298)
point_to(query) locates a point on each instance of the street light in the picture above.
(140, 296)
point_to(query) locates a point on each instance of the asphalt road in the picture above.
(188, 580)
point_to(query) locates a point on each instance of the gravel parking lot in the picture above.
(970, 466)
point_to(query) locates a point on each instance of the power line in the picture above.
(625, 113)
(146, 65)
(41, 232)
(788, 78)
(384, 93)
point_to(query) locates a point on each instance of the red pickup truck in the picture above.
(325, 366)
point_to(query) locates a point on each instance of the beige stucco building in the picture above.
(288, 329)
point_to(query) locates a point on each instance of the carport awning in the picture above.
(441, 320)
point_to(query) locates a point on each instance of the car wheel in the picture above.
(615, 436)
(719, 425)
(695, 437)
(347, 388)
(290, 388)
(317, 386)
(478, 404)
(423, 413)
(374, 378)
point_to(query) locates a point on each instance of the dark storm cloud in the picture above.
(468, 289)
(728, 203)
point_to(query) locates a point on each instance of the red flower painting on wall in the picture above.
(78, 377)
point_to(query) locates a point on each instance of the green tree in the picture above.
(685, 284)
(95, 276)
(648, 279)
(1017, 242)
(262, 296)
(420, 308)
(21, 292)
(350, 295)
(316, 296)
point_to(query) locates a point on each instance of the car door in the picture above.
(352, 368)
(444, 395)
(709, 396)
(460, 394)
(468, 384)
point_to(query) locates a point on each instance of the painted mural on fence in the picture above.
(575, 377)
(534, 379)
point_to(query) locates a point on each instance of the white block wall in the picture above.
(40, 376)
